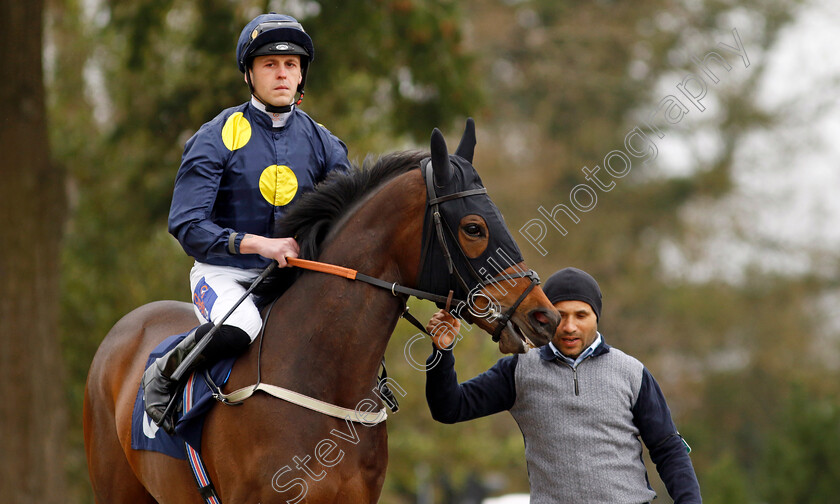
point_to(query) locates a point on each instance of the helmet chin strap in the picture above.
(272, 108)
(268, 107)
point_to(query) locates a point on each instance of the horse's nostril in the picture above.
(541, 318)
(544, 319)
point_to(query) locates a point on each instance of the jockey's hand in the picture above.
(444, 329)
(272, 248)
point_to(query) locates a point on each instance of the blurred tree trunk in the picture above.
(32, 205)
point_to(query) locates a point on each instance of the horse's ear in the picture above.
(440, 159)
(466, 148)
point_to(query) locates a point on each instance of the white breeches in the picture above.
(215, 289)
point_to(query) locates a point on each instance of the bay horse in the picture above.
(325, 338)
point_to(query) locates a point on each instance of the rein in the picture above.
(352, 274)
(396, 288)
(393, 287)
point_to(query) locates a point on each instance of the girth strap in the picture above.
(202, 479)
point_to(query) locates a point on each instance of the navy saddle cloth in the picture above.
(197, 401)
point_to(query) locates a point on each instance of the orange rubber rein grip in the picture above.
(332, 269)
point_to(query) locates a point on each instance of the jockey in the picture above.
(238, 176)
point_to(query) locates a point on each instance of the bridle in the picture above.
(433, 202)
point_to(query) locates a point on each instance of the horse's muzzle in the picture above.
(532, 330)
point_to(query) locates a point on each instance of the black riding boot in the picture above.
(158, 384)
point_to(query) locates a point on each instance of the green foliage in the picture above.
(397, 68)
(802, 459)
(725, 481)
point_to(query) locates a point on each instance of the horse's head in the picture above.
(466, 237)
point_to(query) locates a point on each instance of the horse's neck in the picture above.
(328, 338)
(338, 329)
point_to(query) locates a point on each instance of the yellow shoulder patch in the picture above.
(236, 131)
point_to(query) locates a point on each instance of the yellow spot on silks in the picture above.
(236, 131)
(278, 185)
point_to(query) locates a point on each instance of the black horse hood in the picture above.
(454, 174)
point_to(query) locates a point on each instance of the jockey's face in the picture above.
(275, 78)
(578, 327)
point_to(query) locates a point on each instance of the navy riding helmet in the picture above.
(274, 34)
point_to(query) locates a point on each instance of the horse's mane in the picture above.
(315, 213)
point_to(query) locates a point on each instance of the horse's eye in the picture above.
(473, 229)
